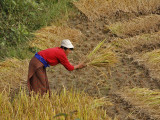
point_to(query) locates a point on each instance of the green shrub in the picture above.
(19, 18)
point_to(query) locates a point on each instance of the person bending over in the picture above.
(37, 77)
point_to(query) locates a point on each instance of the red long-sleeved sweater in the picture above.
(54, 56)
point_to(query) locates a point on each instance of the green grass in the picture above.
(20, 18)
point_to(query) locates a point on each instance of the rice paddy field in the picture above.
(118, 40)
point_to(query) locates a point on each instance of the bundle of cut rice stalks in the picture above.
(102, 57)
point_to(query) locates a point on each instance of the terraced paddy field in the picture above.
(128, 90)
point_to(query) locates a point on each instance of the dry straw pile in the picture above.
(137, 42)
(143, 98)
(151, 61)
(64, 106)
(52, 36)
(145, 24)
(12, 73)
(134, 6)
(93, 9)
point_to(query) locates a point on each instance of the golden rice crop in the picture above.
(145, 24)
(137, 41)
(12, 73)
(144, 98)
(52, 36)
(93, 9)
(68, 105)
(101, 57)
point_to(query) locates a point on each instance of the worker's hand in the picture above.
(79, 66)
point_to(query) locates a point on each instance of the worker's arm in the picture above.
(64, 61)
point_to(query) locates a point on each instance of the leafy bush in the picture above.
(19, 18)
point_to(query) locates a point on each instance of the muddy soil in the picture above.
(97, 82)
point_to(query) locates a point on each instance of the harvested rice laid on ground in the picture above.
(13, 72)
(52, 36)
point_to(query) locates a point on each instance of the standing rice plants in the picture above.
(139, 25)
(68, 105)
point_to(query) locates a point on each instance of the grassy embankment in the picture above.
(20, 18)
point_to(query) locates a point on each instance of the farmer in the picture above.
(37, 77)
